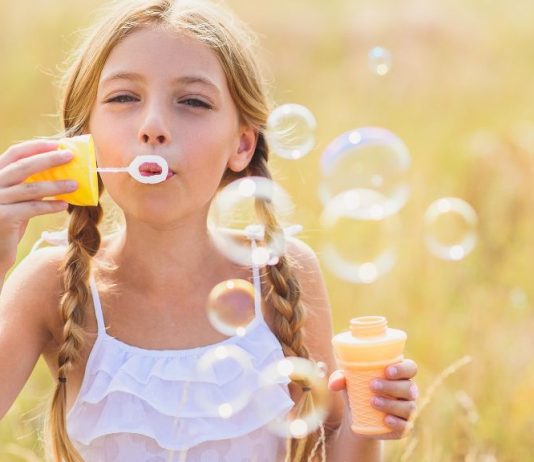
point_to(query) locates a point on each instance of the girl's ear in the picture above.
(240, 159)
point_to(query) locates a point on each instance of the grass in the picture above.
(460, 95)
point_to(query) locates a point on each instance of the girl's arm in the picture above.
(398, 392)
(345, 446)
(26, 313)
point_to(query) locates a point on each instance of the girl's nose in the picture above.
(154, 129)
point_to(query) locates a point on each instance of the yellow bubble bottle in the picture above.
(364, 352)
(82, 168)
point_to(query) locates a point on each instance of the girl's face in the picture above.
(167, 94)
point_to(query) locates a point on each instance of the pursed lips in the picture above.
(151, 169)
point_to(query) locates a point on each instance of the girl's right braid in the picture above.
(289, 314)
(84, 242)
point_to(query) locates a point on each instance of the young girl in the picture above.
(121, 320)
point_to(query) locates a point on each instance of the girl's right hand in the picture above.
(21, 201)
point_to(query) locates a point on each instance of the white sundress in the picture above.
(147, 405)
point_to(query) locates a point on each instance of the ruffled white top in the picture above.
(147, 405)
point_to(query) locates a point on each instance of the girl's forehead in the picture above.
(151, 51)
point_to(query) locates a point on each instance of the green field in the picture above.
(460, 95)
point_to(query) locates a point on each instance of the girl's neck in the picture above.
(169, 258)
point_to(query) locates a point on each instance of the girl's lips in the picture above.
(151, 169)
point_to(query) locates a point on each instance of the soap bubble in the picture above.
(518, 298)
(237, 216)
(367, 158)
(219, 360)
(231, 306)
(304, 371)
(291, 131)
(450, 228)
(380, 61)
(359, 236)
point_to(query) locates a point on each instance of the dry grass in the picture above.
(460, 95)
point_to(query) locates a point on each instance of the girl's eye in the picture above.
(194, 102)
(120, 99)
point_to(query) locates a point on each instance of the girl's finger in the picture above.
(406, 369)
(26, 210)
(25, 149)
(33, 191)
(397, 424)
(337, 382)
(18, 171)
(395, 407)
(402, 389)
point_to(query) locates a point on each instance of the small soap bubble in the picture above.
(215, 363)
(303, 372)
(230, 306)
(239, 214)
(450, 228)
(367, 158)
(323, 368)
(518, 298)
(291, 131)
(226, 410)
(359, 236)
(298, 428)
(380, 61)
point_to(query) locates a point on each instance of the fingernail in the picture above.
(414, 392)
(378, 402)
(71, 185)
(65, 155)
(377, 385)
(392, 371)
(390, 420)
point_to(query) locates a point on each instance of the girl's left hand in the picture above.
(395, 396)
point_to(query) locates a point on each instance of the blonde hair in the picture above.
(233, 45)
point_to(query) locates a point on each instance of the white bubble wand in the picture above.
(133, 169)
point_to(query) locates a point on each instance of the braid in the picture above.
(84, 242)
(289, 315)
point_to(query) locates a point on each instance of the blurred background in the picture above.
(457, 88)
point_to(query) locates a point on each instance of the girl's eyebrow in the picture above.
(138, 77)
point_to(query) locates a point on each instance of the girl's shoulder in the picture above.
(318, 325)
(33, 291)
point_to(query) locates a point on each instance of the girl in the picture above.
(120, 320)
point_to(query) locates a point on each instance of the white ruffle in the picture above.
(164, 395)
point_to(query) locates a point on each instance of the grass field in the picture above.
(460, 95)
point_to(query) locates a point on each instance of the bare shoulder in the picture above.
(317, 329)
(34, 286)
(314, 296)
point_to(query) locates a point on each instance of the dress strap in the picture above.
(97, 306)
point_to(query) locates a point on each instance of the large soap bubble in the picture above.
(218, 360)
(302, 371)
(359, 236)
(367, 158)
(450, 228)
(240, 213)
(291, 131)
(231, 306)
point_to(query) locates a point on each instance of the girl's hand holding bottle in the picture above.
(21, 201)
(395, 395)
